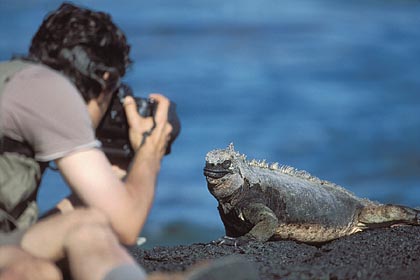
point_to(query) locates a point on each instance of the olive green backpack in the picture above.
(20, 173)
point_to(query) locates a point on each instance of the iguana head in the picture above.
(223, 172)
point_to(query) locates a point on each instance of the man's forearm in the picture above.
(140, 184)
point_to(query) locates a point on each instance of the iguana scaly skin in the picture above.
(258, 201)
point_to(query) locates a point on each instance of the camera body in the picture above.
(112, 132)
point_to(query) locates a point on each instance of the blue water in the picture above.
(331, 87)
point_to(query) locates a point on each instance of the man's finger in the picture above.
(161, 115)
(131, 112)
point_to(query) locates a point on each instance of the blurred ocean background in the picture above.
(328, 86)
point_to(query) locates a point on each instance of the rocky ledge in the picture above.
(387, 253)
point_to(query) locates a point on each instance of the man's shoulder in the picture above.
(29, 68)
(42, 71)
(43, 108)
(40, 80)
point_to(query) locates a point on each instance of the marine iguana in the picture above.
(258, 201)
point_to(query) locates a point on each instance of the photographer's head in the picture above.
(86, 46)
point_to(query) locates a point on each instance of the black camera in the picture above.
(113, 129)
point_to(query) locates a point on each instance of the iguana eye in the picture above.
(226, 164)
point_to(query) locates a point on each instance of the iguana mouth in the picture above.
(215, 173)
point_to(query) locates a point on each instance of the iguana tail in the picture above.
(386, 215)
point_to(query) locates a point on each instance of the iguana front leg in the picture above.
(264, 223)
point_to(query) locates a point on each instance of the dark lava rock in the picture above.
(387, 253)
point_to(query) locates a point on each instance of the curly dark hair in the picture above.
(83, 45)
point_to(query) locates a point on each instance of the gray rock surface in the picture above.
(387, 253)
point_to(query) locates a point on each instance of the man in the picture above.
(50, 105)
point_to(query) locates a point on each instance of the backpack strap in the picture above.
(10, 145)
(13, 146)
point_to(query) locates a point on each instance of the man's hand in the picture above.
(158, 130)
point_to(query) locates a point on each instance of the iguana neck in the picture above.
(229, 202)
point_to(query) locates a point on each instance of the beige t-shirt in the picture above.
(42, 107)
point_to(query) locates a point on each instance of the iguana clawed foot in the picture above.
(233, 241)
